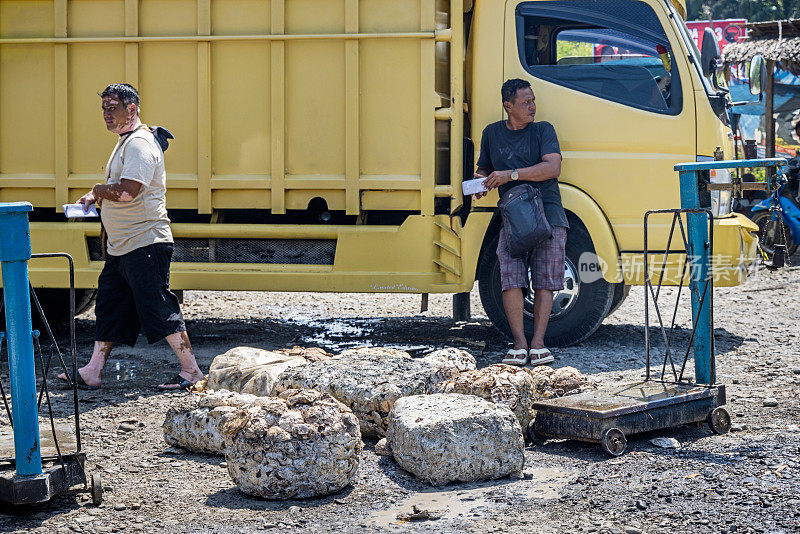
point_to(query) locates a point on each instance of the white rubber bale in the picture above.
(498, 383)
(369, 381)
(250, 370)
(449, 437)
(301, 444)
(196, 422)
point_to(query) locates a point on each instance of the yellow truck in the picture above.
(321, 144)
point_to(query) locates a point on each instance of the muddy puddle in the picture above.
(469, 502)
(337, 335)
(121, 370)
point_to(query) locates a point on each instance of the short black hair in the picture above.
(510, 88)
(125, 92)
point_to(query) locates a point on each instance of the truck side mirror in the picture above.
(758, 75)
(709, 54)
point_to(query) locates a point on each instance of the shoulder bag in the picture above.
(523, 219)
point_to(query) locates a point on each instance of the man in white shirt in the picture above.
(133, 289)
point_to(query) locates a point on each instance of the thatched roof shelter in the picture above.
(777, 41)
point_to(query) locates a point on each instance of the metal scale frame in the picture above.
(44, 464)
(667, 399)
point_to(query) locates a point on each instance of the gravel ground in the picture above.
(745, 481)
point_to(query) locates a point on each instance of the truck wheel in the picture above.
(55, 303)
(621, 291)
(578, 310)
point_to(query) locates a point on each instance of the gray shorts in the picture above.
(546, 263)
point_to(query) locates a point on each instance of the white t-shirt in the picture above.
(142, 221)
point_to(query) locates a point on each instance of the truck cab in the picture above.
(621, 82)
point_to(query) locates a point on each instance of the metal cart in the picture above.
(669, 399)
(34, 466)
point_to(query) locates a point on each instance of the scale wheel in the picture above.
(96, 489)
(614, 442)
(533, 436)
(719, 421)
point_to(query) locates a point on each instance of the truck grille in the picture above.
(230, 250)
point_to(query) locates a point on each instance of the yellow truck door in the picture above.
(606, 75)
(612, 78)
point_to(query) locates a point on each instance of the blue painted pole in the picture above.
(15, 251)
(698, 255)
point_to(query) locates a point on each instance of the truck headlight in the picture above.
(720, 200)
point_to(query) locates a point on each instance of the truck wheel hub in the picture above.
(563, 300)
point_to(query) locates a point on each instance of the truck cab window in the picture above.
(623, 61)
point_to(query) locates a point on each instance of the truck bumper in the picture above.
(425, 254)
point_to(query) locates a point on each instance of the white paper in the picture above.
(76, 210)
(470, 187)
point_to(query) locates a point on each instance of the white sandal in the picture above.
(517, 357)
(540, 357)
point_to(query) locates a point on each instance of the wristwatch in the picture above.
(514, 175)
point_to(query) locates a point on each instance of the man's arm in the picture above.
(550, 167)
(125, 191)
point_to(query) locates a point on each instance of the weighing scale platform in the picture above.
(55, 478)
(607, 415)
(65, 433)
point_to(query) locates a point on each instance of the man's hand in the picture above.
(477, 196)
(496, 179)
(87, 200)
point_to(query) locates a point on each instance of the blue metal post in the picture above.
(699, 252)
(15, 251)
(698, 255)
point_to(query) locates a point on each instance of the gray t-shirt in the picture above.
(503, 149)
(142, 221)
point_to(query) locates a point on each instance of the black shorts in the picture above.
(133, 295)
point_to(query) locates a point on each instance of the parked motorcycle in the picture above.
(778, 216)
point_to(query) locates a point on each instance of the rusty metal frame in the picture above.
(706, 294)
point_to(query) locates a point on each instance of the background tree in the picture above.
(752, 10)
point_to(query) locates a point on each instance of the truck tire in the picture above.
(621, 291)
(578, 310)
(55, 304)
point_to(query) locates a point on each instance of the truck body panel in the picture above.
(283, 111)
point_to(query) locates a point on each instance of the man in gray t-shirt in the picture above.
(133, 291)
(514, 151)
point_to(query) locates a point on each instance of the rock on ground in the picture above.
(251, 370)
(549, 383)
(196, 422)
(369, 381)
(450, 437)
(498, 383)
(301, 444)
